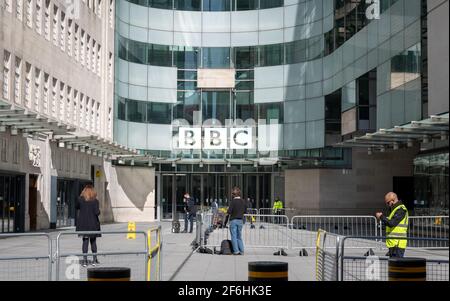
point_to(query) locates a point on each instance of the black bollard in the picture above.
(267, 271)
(108, 274)
(407, 269)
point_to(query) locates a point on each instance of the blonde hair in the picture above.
(89, 193)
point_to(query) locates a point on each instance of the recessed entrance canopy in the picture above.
(31, 124)
(408, 135)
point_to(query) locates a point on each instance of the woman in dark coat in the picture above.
(88, 212)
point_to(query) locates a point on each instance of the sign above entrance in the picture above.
(216, 78)
(216, 138)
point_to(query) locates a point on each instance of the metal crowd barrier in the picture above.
(326, 261)
(337, 260)
(304, 228)
(259, 231)
(374, 267)
(154, 269)
(271, 211)
(429, 227)
(68, 255)
(24, 265)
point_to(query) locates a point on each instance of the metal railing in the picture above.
(304, 228)
(121, 256)
(259, 231)
(375, 266)
(436, 227)
(154, 269)
(326, 261)
(27, 267)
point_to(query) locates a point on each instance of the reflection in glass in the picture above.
(271, 55)
(216, 57)
(271, 112)
(245, 108)
(186, 57)
(188, 102)
(159, 113)
(406, 66)
(136, 111)
(190, 5)
(245, 57)
(216, 105)
(216, 5)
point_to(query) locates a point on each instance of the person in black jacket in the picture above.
(88, 209)
(191, 211)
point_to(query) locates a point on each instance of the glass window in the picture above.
(245, 4)
(123, 48)
(247, 74)
(270, 3)
(296, 51)
(159, 55)
(271, 111)
(159, 113)
(316, 48)
(245, 57)
(245, 85)
(406, 66)
(186, 57)
(216, 105)
(245, 108)
(216, 5)
(188, 102)
(216, 57)
(189, 5)
(187, 75)
(139, 2)
(121, 108)
(271, 55)
(333, 113)
(136, 110)
(136, 52)
(164, 4)
(187, 85)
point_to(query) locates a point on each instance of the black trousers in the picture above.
(396, 252)
(93, 241)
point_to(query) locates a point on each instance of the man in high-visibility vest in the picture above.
(396, 225)
(277, 209)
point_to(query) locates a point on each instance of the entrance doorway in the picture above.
(205, 188)
(12, 209)
(68, 192)
(33, 201)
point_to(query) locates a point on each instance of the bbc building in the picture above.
(325, 104)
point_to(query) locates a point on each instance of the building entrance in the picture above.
(12, 208)
(205, 188)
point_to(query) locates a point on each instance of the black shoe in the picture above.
(84, 263)
(95, 261)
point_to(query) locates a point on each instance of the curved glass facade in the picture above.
(304, 64)
(210, 5)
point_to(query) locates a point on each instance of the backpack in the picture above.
(175, 227)
(225, 247)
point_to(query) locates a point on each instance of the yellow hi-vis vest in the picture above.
(401, 230)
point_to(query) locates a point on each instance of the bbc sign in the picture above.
(196, 138)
